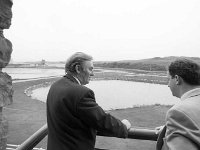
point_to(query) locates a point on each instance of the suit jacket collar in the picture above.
(191, 93)
(71, 78)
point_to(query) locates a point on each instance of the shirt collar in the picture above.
(190, 93)
(77, 80)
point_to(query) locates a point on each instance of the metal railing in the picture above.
(33, 140)
(13, 147)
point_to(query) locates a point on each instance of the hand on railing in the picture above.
(133, 133)
(159, 129)
(126, 123)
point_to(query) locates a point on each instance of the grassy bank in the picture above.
(156, 77)
(27, 115)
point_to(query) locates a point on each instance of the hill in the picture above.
(152, 64)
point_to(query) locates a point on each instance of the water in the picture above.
(115, 94)
(31, 73)
(35, 73)
(111, 94)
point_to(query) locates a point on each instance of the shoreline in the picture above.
(28, 91)
(26, 115)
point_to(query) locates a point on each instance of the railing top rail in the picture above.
(33, 140)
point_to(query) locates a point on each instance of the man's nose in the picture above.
(92, 73)
(168, 85)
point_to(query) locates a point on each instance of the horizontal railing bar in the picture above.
(133, 133)
(33, 140)
(143, 134)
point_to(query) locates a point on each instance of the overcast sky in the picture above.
(106, 29)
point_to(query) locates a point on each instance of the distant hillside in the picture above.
(152, 64)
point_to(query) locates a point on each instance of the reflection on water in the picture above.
(115, 94)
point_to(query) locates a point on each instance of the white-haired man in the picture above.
(73, 116)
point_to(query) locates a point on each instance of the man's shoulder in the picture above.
(181, 106)
(69, 84)
(188, 103)
(187, 107)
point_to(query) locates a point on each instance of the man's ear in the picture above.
(78, 69)
(178, 79)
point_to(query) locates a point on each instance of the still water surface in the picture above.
(115, 94)
(110, 94)
(31, 73)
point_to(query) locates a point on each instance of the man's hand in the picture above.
(126, 123)
(159, 129)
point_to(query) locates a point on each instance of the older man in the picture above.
(73, 116)
(183, 120)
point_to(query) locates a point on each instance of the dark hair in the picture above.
(187, 69)
(76, 59)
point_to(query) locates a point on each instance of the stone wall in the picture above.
(6, 90)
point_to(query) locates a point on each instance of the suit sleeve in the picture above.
(181, 131)
(93, 115)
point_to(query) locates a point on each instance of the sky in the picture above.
(109, 30)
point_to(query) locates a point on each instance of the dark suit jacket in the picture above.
(73, 117)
